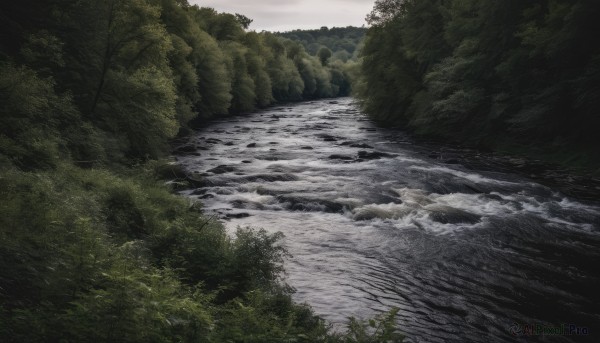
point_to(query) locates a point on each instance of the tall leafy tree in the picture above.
(243, 86)
(324, 55)
(388, 79)
(118, 71)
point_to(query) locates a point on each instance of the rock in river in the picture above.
(222, 169)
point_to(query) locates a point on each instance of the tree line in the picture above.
(131, 73)
(341, 43)
(93, 244)
(521, 76)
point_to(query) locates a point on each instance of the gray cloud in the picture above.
(278, 15)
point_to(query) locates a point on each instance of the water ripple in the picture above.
(464, 250)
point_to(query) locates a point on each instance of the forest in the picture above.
(341, 43)
(94, 244)
(515, 76)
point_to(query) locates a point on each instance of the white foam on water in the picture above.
(475, 178)
(401, 158)
(477, 204)
(349, 202)
(253, 198)
(568, 203)
(418, 208)
(381, 211)
(413, 196)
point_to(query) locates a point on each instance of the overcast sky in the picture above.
(285, 15)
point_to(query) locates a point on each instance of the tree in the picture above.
(384, 11)
(324, 55)
(243, 86)
(117, 67)
(388, 80)
(31, 114)
(243, 20)
(222, 26)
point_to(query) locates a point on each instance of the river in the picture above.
(465, 247)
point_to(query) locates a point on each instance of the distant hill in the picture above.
(344, 42)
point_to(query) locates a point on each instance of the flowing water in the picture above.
(464, 247)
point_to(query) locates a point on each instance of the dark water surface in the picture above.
(375, 221)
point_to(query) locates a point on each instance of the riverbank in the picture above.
(576, 175)
(575, 171)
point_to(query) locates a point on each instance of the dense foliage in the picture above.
(343, 43)
(503, 74)
(136, 71)
(93, 245)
